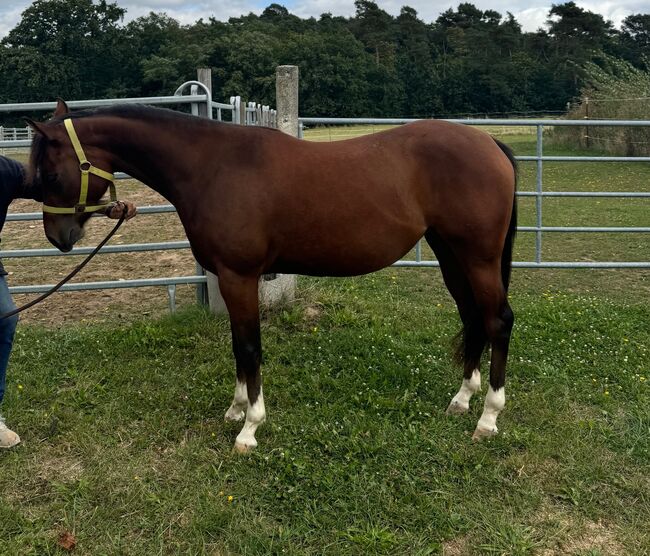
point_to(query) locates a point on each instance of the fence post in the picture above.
(203, 75)
(286, 91)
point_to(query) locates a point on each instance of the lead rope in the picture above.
(69, 276)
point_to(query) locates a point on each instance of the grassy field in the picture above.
(125, 446)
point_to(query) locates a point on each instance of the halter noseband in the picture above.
(86, 168)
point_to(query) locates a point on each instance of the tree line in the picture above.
(468, 61)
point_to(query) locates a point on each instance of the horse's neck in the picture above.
(153, 153)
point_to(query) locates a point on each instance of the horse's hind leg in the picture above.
(241, 296)
(498, 319)
(472, 338)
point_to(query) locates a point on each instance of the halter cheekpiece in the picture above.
(85, 168)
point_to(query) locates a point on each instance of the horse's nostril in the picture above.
(59, 246)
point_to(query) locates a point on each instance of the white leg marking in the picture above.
(255, 416)
(460, 402)
(494, 403)
(240, 401)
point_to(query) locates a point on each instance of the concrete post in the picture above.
(286, 92)
(274, 288)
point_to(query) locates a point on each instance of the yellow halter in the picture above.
(86, 168)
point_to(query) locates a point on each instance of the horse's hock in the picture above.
(273, 288)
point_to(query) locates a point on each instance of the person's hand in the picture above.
(117, 209)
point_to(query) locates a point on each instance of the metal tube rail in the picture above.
(107, 249)
(476, 121)
(35, 216)
(38, 106)
(114, 284)
(539, 158)
(551, 264)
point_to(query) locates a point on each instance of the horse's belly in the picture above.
(353, 256)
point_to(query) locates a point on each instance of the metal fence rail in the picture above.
(539, 158)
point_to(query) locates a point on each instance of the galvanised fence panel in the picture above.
(199, 95)
(539, 194)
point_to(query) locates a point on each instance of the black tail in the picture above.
(506, 257)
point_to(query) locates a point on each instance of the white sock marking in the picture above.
(240, 401)
(255, 416)
(494, 403)
(467, 389)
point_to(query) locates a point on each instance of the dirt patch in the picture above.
(312, 313)
(595, 536)
(456, 547)
(574, 536)
(57, 467)
(101, 305)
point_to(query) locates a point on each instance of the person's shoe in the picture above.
(8, 438)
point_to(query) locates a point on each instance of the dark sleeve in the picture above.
(13, 184)
(12, 177)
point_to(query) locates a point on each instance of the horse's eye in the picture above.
(51, 178)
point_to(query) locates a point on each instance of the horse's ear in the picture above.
(61, 108)
(39, 128)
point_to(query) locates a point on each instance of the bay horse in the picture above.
(255, 200)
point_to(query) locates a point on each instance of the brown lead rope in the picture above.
(69, 276)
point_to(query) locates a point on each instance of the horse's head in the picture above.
(72, 178)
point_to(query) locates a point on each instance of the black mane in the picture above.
(139, 111)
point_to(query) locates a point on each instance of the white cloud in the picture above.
(531, 14)
(9, 16)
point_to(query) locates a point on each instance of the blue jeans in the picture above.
(7, 329)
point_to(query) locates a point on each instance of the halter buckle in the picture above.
(85, 166)
(79, 208)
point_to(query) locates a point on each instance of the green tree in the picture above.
(71, 48)
(578, 36)
(635, 39)
(415, 66)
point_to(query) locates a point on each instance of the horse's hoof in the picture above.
(482, 433)
(242, 448)
(456, 409)
(234, 415)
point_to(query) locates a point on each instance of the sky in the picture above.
(531, 14)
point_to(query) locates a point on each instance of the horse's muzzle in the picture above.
(65, 244)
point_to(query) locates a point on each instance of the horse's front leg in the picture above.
(241, 297)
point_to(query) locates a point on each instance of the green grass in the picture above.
(124, 443)
(126, 448)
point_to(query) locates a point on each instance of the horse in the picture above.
(254, 200)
